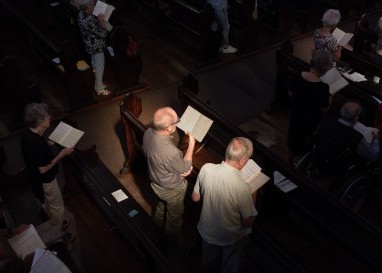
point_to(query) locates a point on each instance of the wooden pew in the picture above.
(364, 36)
(18, 88)
(352, 233)
(140, 230)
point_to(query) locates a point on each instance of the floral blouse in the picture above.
(93, 35)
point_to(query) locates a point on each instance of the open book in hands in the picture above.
(66, 135)
(251, 173)
(342, 37)
(194, 122)
(103, 8)
(335, 80)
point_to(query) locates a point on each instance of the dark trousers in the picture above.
(224, 259)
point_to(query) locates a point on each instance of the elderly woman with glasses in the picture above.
(41, 163)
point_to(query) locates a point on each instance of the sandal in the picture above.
(103, 92)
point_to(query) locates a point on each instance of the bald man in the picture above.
(228, 211)
(167, 167)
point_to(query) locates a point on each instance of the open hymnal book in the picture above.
(342, 37)
(334, 79)
(355, 77)
(368, 133)
(66, 135)
(103, 8)
(251, 173)
(44, 261)
(26, 242)
(194, 122)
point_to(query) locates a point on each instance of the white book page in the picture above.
(286, 185)
(258, 181)
(201, 128)
(338, 34)
(345, 39)
(188, 120)
(367, 132)
(377, 100)
(334, 79)
(26, 242)
(49, 263)
(100, 8)
(355, 77)
(103, 8)
(250, 170)
(66, 135)
(119, 195)
(72, 138)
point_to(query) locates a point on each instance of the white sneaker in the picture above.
(229, 49)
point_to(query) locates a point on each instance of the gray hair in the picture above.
(331, 17)
(35, 113)
(350, 111)
(239, 148)
(321, 61)
(84, 4)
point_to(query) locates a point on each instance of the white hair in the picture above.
(331, 17)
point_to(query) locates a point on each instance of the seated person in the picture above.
(323, 38)
(339, 145)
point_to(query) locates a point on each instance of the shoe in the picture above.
(103, 92)
(229, 49)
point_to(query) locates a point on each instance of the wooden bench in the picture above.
(140, 229)
(310, 203)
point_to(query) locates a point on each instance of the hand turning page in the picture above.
(194, 122)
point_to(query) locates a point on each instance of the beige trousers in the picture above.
(54, 203)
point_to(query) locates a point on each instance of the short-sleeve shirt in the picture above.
(226, 199)
(92, 34)
(37, 153)
(329, 43)
(164, 160)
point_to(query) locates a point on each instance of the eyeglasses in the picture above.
(175, 122)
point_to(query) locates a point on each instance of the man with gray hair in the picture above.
(94, 31)
(167, 168)
(228, 211)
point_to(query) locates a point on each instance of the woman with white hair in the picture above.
(323, 38)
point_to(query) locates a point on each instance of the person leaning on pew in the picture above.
(94, 31)
(167, 169)
(323, 38)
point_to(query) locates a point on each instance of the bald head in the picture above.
(239, 148)
(164, 117)
(350, 111)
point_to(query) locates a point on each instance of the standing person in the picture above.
(221, 20)
(167, 168)
(323, 37)
(41, 163)
(228, 211)
(94, 31)
(310, 97)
